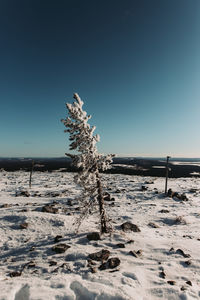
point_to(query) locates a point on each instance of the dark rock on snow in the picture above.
(120, 245)
(52, 263)
(181, 252)
(23, 225)
(57, 238)
(93, 236)
(110, 264)
(144, 188)
(108, 198)
(60, 248)
(172, 194)
(153, 225)
(22, 193)
(183, 288)
(136, 253)
(164, 211)
(49, 208)
(93, 269)
(6, 205)
(15, 274)
(162, 275)
(188, 262)
(171, 282)
(130, 242)
(100, 255)
(128, 226)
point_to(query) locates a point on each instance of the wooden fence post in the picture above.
(167, 171)
(31, 173)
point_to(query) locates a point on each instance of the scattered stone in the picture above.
(107, 197)
(189, 282)
(110, 264)
(64, 266)
(55, 270)
(139, 252)
(180, 220)
(49, 208)
(128, 226)
(53, 194)
(183, 197)
(91, 263)
(172, 194)
(171, 282)
(130, 242)
(32, 248)
(24, 210)
(69, 202)
(30, 264)
(120, 191)
(15, 274)
(136, 253)
(153, 225)
(93, 236)
(183, 288)
(22, 193)
(187, 236)
(169, 193)
(60, 248)
(23, 225)
(35, 272)
(113, 262)
(193, 190)
(100, 255)
(93, 269)
(188, 262)
(112, 271)
(6, 205)
(171, 249)
(52, 263)
(164, 211)
(13, 259)
(181, 252)
(144, 188)
(57, 238)
(162, 274)
(120, 245)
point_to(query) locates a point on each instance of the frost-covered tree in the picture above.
(87, 159)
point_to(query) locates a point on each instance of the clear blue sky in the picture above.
(135, 64)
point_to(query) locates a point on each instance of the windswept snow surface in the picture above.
(168, 267)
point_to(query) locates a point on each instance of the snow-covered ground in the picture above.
(166, 267)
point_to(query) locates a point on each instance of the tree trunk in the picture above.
(104, 227)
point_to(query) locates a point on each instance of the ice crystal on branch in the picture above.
(83, 141)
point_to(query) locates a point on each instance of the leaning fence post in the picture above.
(167, 171)
(31, 173)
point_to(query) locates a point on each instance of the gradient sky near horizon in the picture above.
(134, 63)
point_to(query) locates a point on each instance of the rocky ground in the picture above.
(151, 253)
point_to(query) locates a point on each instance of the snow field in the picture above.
(168, 266)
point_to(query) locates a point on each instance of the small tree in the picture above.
(87, 159)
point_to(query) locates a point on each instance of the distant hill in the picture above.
(179, 167)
